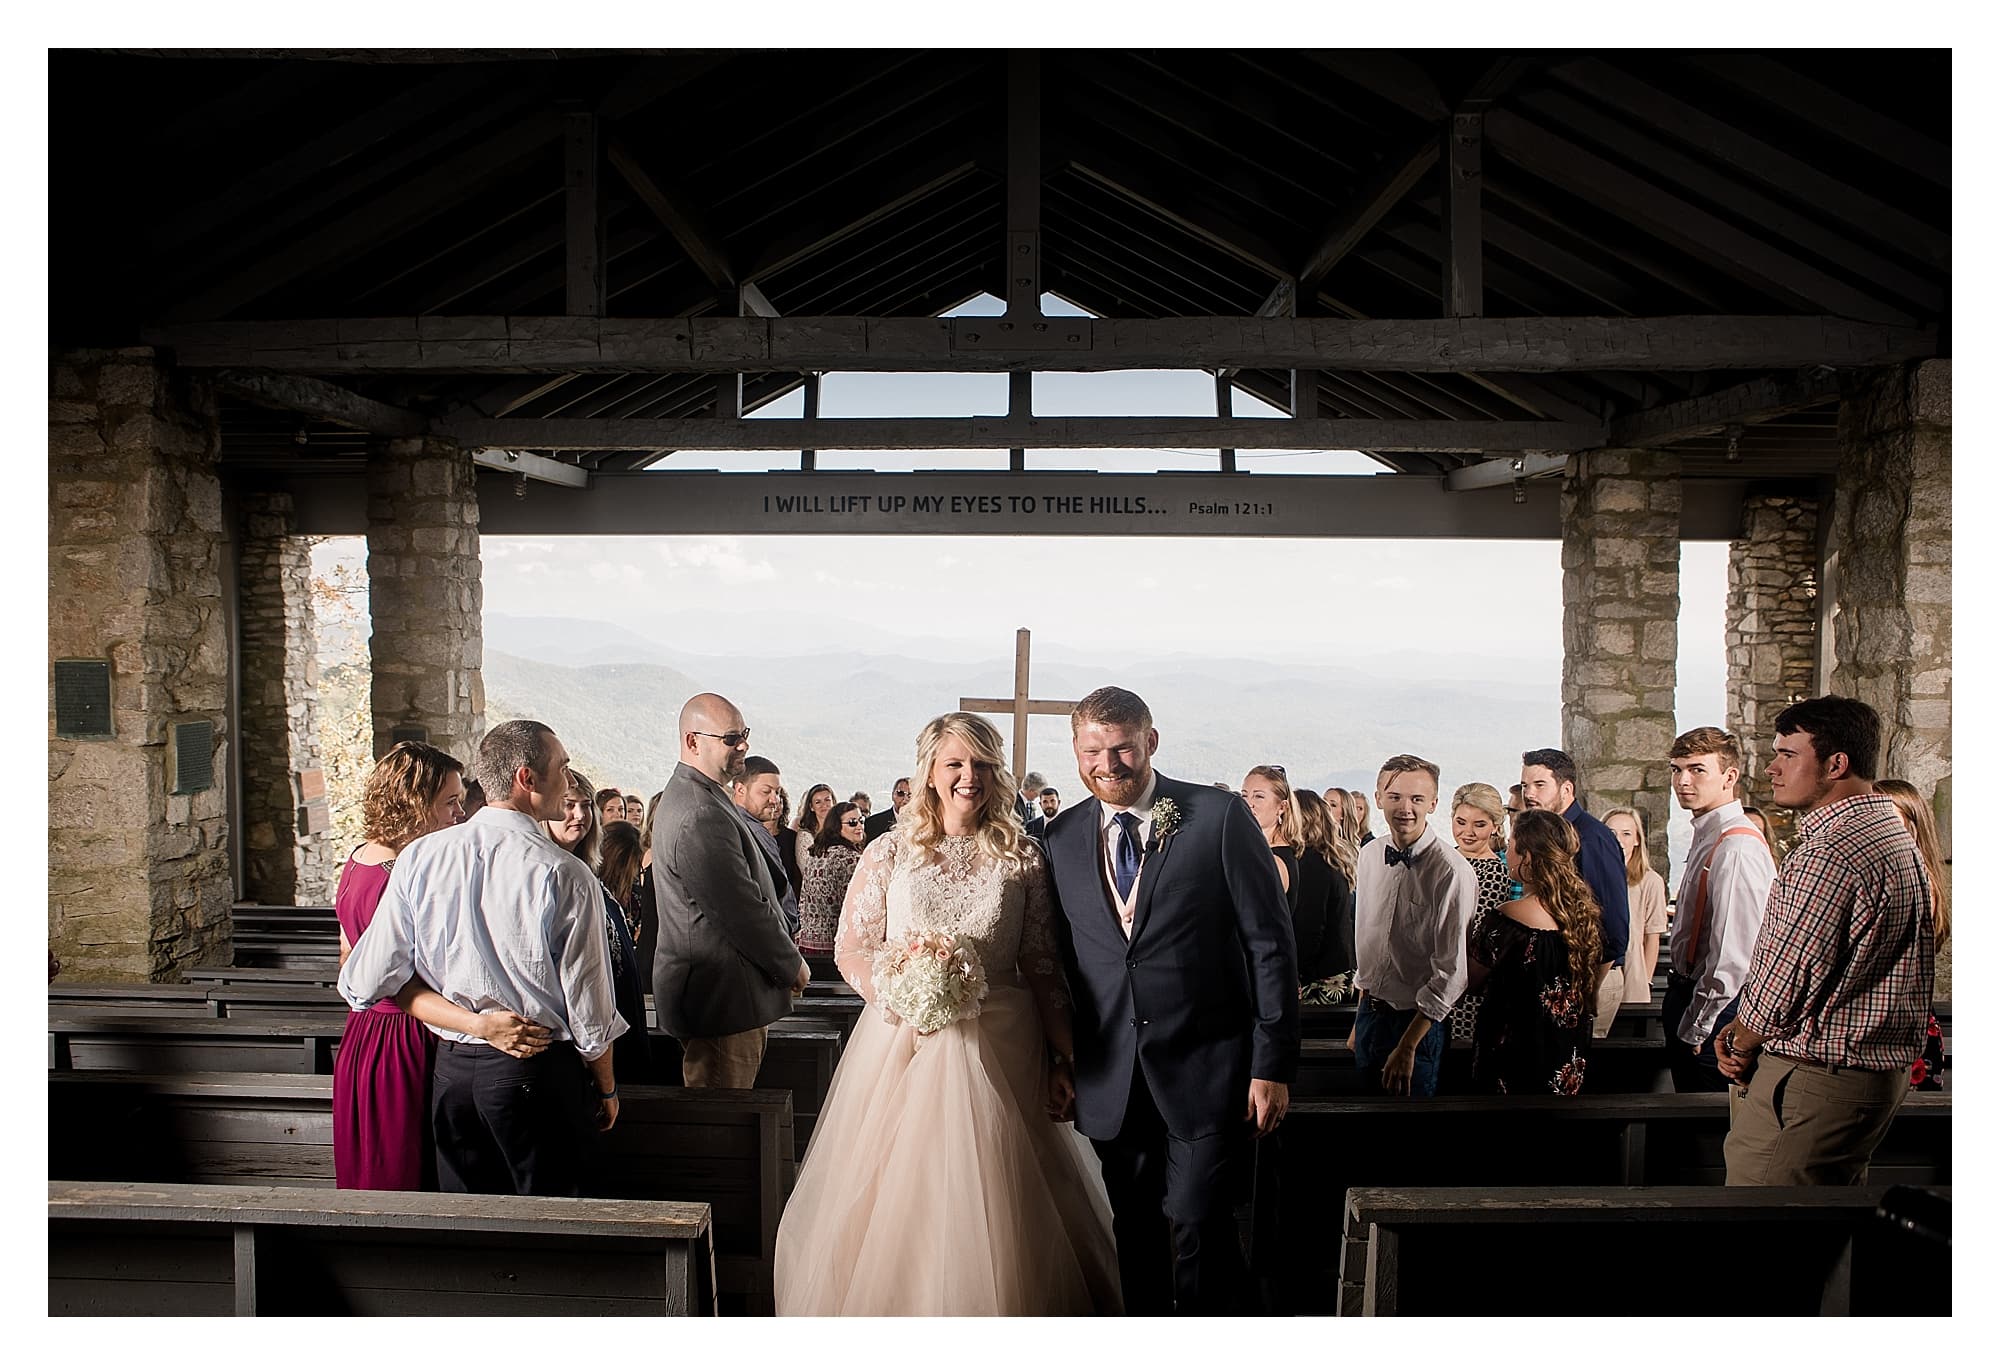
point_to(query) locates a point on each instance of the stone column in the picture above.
(1892, 593)
(139, 875)
(424, 594)
(1770, 629)
(1621, 557)
(285, 817)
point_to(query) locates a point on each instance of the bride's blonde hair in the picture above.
(921, 824)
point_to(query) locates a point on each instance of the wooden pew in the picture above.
(189, 1000)
(1566, 1251)
(1617, 1066)
(284, 935)
(192, 1250)
(732, 1149)
(1638, 1020)
(1327, 1146)
(263, 976)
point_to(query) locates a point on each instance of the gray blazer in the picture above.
(724, 962)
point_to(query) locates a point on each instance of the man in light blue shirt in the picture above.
(495, 915)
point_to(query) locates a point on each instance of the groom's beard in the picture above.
(1116, 791)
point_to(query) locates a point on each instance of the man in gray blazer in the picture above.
(724, 967)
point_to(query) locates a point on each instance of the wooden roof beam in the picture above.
(316, 398)
(525, 345)
(1832, 112)
(1003, 433)
(682, 221)
(1746, 404)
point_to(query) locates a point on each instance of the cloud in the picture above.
(719, 556)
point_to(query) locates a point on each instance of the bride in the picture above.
(936, 1181)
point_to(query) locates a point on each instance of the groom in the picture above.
(1180, 958)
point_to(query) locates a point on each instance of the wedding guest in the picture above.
(1476, 820)
(1269, 797)
(830, 864)
(1723, 891)
(759, 795)
(779, 827)
(1024, 803)
(1536, 965)
(635, 808)
(475, 797)
(1051, 802)
(489, 911)
(812, 812)
(726, 965)
(1549, 782)
(1763, 824)
(610, 807)
(864, 803)
(1840, 980)
(882, 822)
(1364, 833)
(1324, 924)
(382, 1071)
(1916, 813)
(621, 851)
(1413, 898)
(576, 831)
(1646, 893)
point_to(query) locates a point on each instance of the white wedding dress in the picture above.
(935, 1182)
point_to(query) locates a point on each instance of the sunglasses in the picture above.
(732, 739)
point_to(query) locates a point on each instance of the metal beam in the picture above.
(1005, 433)
(1709, 413)
(583, 218)
(532, 466)
(316, 398)
(1464, 241)
(678, 217)
(1501, 473)
(526, 345)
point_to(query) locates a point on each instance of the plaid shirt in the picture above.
(1842, 970)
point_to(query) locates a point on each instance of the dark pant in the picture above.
(1170, 1213)
(508, 1125)
(1693, 1069)
(1377, 1030)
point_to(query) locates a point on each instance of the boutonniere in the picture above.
(1166, 818)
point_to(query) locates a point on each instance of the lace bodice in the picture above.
(1001, 912)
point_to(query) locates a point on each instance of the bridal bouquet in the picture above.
(930, 979)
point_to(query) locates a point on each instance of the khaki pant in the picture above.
(1801, 1124)
(726, 1063)
(1609, 996)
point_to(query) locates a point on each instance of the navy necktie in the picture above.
(1125, 853)
(1393, 855)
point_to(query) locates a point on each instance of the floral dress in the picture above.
(1533, 1031)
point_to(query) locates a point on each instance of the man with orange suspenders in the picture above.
(1720, 907)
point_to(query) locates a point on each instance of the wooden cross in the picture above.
(1018, 706)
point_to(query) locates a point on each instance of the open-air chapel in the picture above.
(1619, 299)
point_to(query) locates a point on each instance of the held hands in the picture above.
(1062, 1092)
(1736, 1066)
(1267, 1105)
(513, 1035)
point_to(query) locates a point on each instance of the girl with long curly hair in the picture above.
(1538, 963)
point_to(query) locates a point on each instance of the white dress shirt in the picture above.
(1409, 924)
(1107, 847)
(1740, 873)
(497, 916)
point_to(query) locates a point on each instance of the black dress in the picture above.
(1533, 1029)
(1326, 941)
(1289, 856)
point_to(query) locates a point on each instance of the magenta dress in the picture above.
(382, 1074)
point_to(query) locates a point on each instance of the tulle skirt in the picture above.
(936, 1185)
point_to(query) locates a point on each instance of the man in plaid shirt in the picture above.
(1839, 987)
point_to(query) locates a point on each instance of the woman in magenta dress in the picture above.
(382, 1073)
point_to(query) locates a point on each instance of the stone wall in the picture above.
(286, 860)
(1621, 560)
(139, 878)
(1892, 592)
(1771, 633)
(424, 594)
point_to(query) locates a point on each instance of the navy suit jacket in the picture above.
(1205, 994)
(1601, 860)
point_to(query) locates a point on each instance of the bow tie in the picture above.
(1393, 855)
